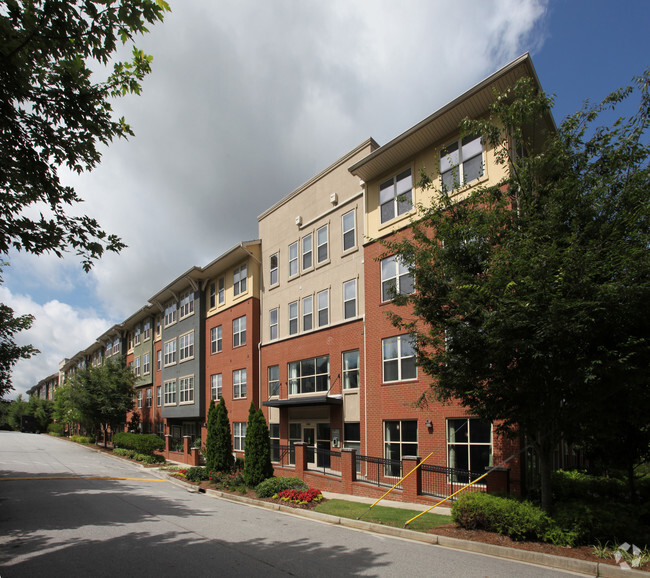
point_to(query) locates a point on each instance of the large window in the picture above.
(293, 259)
(148, 399)
(186, 346)
(352, 439)
(136, 366)
(348, 227)
(137, 337)
(469, 446)
(239, 331)
(239, 280)
(309, 375)
(170, 352)
(322, 250)
(461, 162)
(159, 359)
(274, 380)
(350, 299)
(186, 304)
(307, 252)
(147, 330)
(323, 300)
(158, 395)
(170, 314)
(351, 369)
(400, 439)
(170, 392)
(273, 324)
(213, 295)
(293, 318)
(398, 356)
(186, 389)
(274, 434)
(216, 386)
(395, 278)
(395, 196)
(239, 436)
(273, 271)
(139, 396)
(146, 363)
(239, 384)
(215, 339)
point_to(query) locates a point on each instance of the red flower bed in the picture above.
(301, 497)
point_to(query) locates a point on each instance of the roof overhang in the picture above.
(473, 104)
(305, 401)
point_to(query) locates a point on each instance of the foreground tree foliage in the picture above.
(218, 444)
(98, 398)
(531, 297)
(257, 456)
(56, 89)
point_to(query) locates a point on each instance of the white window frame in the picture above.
(159, 360)
(239, 436)
(146, 364)
(455, 158)
(323, 297)
(136, 366)
(158, 395)
(216, 386)
(186, 346)
(139, 398)
(301, 380)
(403, 344)
(147, 330)
(399, 443)
(148, 398)
(221, 290)
(274, 269)
(293, 260)
(350, 365)
(348, 230)
(186, 305)
(186, 390)
(273, 379)
(322, 245)
(169, 357)
(239, 384)
(239, 280)
(169, 392)
(393, 195)
(349, 297)
(212, 295)
(273, 324)
(307, 252)
(293, 318)
(170, 314)
(308, 312)
(239, 331)
(216, 339)
(395, 274)
(137, 335)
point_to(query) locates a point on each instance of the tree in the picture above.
(218, 444)
(55, 112)
(102, 396)
(41, 410)
(257, 450)
(530, 302)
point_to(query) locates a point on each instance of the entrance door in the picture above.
(309, 437)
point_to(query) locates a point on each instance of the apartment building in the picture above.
(312, 331)
(232, 330)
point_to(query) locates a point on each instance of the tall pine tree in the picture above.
(257, 464)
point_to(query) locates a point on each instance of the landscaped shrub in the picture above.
(57, 429)
(197, 474)
(148, 458)
(231, 481)
(83, 439)
(574, 485)
(268, 488)
(123, 452)
(257, 466)
(518, 520)
(141, 443)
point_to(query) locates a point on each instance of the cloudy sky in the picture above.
(248, 99)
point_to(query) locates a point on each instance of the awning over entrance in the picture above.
(303, 401)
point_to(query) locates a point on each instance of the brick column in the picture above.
(301, 459)
(412, 485)
(187, 442)
(348, 469)
(168, 443)
(498, 481)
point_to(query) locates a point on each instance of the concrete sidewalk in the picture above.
(443, 510)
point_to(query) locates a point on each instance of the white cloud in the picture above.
(248, 100)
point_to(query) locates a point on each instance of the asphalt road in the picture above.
(66, 510)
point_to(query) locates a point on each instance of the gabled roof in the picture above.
(473, 103)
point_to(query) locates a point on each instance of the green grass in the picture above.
(384, 515)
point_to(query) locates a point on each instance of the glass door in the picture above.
(309, 437)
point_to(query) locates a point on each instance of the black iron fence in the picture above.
(379, 471)
(440, 481)
(326, 460)
(283, 455)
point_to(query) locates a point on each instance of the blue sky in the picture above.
(249, 99)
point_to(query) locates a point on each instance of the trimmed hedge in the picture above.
(141, 443)
(197, 474)
(82, 439)
(133, 455)
(57, 429)
(271, 486)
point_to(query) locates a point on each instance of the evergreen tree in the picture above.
(257, 463)
(223, 460)
(211, 440)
